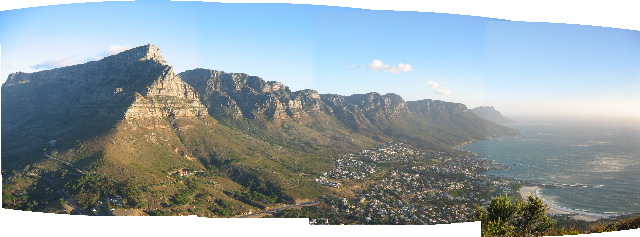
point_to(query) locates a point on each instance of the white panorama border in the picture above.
(621, 14)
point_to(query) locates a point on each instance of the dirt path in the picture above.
(81, 171)
(264, 213)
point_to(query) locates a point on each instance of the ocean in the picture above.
(586, 167)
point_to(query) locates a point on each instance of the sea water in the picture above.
(592, 167)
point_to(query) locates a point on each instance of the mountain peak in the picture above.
(142, 53)
(491, 114)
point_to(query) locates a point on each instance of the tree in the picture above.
(520, 218)
(533, 219)
(181, 199)
(496, 219)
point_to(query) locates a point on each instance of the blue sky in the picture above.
(523, 69)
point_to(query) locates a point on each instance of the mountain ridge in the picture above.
(491, 114)
(129, 119)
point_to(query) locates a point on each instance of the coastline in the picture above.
(554, 209)
(525, 191)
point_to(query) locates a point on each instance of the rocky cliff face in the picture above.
(377, 107)
(348, 113)
(137, 82)
(381, 117)
(367, 112)
(88, 99)
(433, 108)
(238, 94)
(167, 96)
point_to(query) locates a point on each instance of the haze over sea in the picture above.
(597, 164)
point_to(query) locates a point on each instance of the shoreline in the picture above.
(533, 189)
(526, 191)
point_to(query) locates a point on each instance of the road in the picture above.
(68, 163)
(254, 215)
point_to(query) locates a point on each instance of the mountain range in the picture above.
(128, 126)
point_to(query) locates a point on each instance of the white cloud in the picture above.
(77, 59)
(380, 66)
(53, 63)
(433, 84)
(442, 91)
(116, 49)
(436, 88)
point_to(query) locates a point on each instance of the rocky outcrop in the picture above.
(434, 108)
(84, 100)
(348, 113)
(238, 94)
(381, 117)
(367, 112)
(376, 106)
(134, 83)
(167, 96)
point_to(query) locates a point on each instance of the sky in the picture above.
(520, 68)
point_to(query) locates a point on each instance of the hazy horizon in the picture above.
(537, 70)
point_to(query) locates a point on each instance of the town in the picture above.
(397, 184)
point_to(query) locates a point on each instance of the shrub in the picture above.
(520, 218)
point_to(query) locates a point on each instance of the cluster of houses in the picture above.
(329, 183)
(114, 201)
(437, 187)
(347, 167)
(393, 152)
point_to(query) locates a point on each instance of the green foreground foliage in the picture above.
(519, 218)
(529, 218)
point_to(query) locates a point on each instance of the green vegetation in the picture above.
(528, 218)
(630, 223)
(519, 218)
(31, 193)
(182, 198)
(222, 208)
(304, 212)
(89, 189)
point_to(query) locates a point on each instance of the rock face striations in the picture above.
(117, 85)
(238, 94)
(82, 101)
(257, 106)
(271, 111)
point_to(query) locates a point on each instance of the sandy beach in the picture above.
(526, 191)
